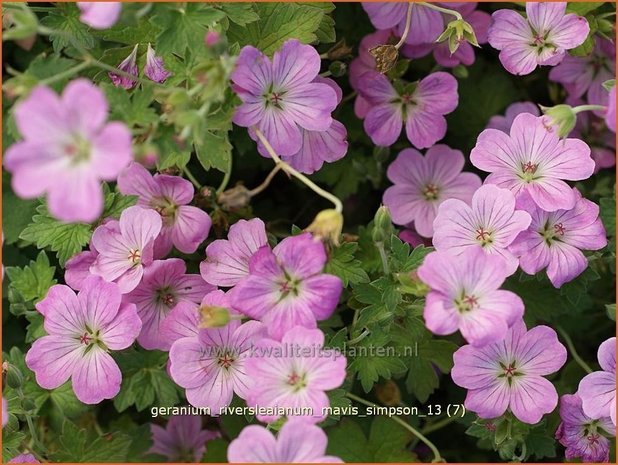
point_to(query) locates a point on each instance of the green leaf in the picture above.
(134, 109)
(145, 382)
(214, 151)
(172, 152)
(116, 203)
(85, 446)
(422, 379)
(343, 264)
(66, 239)
(183, 27)
(142, 32)
(33, 281)
(608, 214)
(585, 48)
(240, 13)
(375, 359)
(70, 30)
(279, 22)
(326, 31)
(16, 212)
(582, 8)
(386, 443)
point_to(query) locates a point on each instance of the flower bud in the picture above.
(411, 284)
(388, 393)
(562, 117)
(339, 51)
(382, 225)
(212, 316)
(28, 404)
(338, 68)
(19, 23)
(14, 378)
(129, 66)
(154, 69)
(211, 38)
(327, 226)
(460, 71)
(385, 56)
(235, 198)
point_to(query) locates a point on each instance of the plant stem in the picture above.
(581, 108)
(431, 427)
(256, 190)
(447, 11)
(359, 338)
(572, 350)
(301, 177)
(67, 73)
(436, 453)
(226, 177)
(189, 175)
(383, 257)
(406, 31)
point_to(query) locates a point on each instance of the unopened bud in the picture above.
(339, 50)
(388, 393)
(14, 378)
(460, 71)
(385, 56)
(19, 24)
(382, 225)
(338, 68)
(235, 198)
(28, 405)
(212, 316)
(327, 226)
(211, 38)
(561, 117)
(411, 284)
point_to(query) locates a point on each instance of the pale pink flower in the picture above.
(99, 15)
(182, 439)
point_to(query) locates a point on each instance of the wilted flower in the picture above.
(129, 66)
(154, 68)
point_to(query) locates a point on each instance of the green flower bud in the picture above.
(19, 22)
(338, 68)
(562, 117)
(461, 72)
(382, 225)
(213, 317)
(28, 405)
(14, 378)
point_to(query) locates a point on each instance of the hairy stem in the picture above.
(301, 177)
(192, 178)
(581, 108)
(447, 11)
(256, 190)
(572, 350)
(406, 31)
(226, 176)
(436, 453)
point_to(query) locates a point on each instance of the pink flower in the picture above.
(580, 434)
(184, 319)
(584, 76)
(280, 97)
(504, 123)
(184, 226)
(286, 286)
(125, 247)
(410, 236)
(68, 148)
(489, 223)
(128, 65)
(297, 442)
(420, 106)
(541, 39)
(508, 374)
(610, 115)
(423, 183)
(319, 146)
(154, 69)
(182, 439)
(533, 159)
(78, 268)
(211, 365)
(227, 261)
(165, 284)
(598, 389)
(465, 294)
(24, 458)
(294, 374)
(555, 239)
(99, 15)
(363, 64)
(425, 24)
(81, 331)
